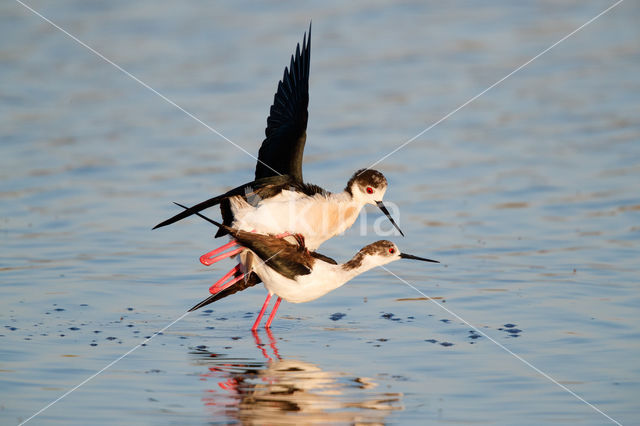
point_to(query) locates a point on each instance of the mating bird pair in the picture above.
(277, 221)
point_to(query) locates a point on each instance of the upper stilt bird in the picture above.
(297, 275)
(278, 201)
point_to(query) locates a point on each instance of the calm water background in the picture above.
(529, 196)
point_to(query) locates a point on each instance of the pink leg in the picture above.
(207, 260)
(264, 308)
(218, 286)
(221, 248)
(273, 313)
(230, 283)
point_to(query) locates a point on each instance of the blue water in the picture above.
(528, 196)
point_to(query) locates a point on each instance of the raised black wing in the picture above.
(282, 150)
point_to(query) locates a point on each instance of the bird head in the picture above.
(368, 187)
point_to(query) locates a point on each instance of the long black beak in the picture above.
(386, 212)
(410, 256)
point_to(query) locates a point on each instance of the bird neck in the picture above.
(328, 277)
(347, 196)
(357, 265)
(340, 212)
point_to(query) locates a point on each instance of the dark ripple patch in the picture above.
(511, 330)
(74, 328)
(337, 316)
(431, 341)
(389, 316)
(446, 344)
(473, 335)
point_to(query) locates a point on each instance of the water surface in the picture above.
(528, 196)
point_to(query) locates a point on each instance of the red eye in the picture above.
(369, 190)
(392, 250)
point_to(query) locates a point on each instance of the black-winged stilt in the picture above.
(297, 275)
(278, 201)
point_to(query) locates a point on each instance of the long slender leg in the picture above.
(215, 288)
(230, 283)
(273, 312)
(264, 308)
(207, 260)
(220, 249)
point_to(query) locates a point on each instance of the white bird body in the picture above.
(318, 217)
(323, 279)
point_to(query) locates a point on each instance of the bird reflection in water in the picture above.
(289, 391)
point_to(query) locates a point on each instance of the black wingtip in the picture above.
(200, 206)
(237, 287)
(219, 225)
(162, 224)
(205, 302)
